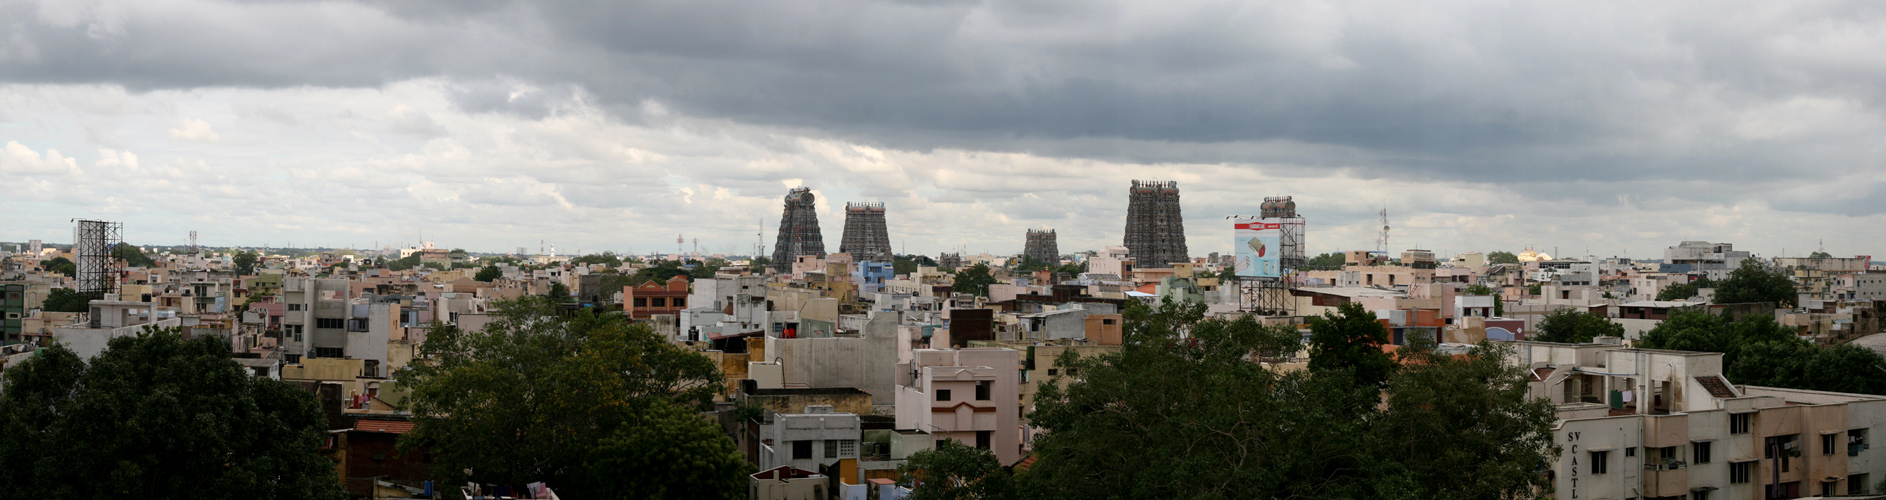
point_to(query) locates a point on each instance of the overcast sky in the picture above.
(1609, 128)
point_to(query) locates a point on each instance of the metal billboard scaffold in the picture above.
(93, 241)
(1269, 255)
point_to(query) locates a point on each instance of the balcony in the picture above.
(1668, 464)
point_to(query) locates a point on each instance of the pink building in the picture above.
(970, 395)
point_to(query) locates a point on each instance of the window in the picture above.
(1856, 484)
(1699, 495)
(329, 352)
(847, 448)
(1598, 461)
(1053, 372)
(982, 390)
(1827, 443)
(831, 449)
(294, 307)
(659, 302)
(942, 394)
(643, 302)
(681, 301)
(1108, 321)
(1856, 442)
(1828, 488)
(801, 450)
(1700, 452)
(983, 438)
(1739, 472)
(1738, 423)
(335, 323)
(1631, 451)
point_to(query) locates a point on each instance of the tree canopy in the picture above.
(61, 265)
(1351, 339)
(131, 255)
(66, 300)
(1677, 291)
(1575, 326)
(245, 262)
(1756, 282)
(1195, 416)
(1758, 351)
(955, 471)
(158, 416)
(489, 274)
(974, 279)
(606, 258)
(1502, 257)
(589, 402)
(1326, 262)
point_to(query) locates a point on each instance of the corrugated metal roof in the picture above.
(386, 426)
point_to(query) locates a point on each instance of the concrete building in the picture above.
(787, 483)
(865, 360)
(816, 438)
(970, 395)
(648, 299)
(866, 237)
(1112, 261)
(798, 231)
(314, 323)
(1155, 226)
(1714, 260)
(1643, 423)
(111, 318)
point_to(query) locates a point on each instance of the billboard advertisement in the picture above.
(1258, 247)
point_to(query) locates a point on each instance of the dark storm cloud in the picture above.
(1518, 94)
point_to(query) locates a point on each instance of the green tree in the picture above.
(660, 272)
(1756, 350)
(1466, 424)
(158, 416)
(1756, 282)
(1820, 255)
(565, 396)
(1481, 290)
(1502, 257)
(954, 471)
(974, 279)
(606, 258)
(61, 265)
(1072, 269)
(903, 265)
(1575, 326)
(1533, 289)
(706, 269)
(558, 293)
(1677, 291)
(1499, 306)
(1351, 339)
(245, 262)
(66, 300)
(1196, 417)
(404, 263)
(1326, 262)
(131, 255)
(760, 263)
(670, 452)
(489, 274)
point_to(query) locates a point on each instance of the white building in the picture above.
(809, 440)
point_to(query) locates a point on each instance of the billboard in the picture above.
(1259, 246)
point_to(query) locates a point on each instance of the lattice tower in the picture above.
(93, 241)
(798, 231)
(1155, 228)
(867, 238)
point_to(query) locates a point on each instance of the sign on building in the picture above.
(1259, 247)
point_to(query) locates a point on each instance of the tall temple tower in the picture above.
(798, 231)
(1041, 247)
(1155, 230)
(866, 238)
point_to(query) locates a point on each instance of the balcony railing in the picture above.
(1667, 464)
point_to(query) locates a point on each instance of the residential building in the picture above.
(650, 298)
(111, 318)
(970, 395)
(817, 438)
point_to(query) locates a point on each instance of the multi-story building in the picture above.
(810, 440)
(1645, 423)
(648, 299)
(314, 318)
(13, 307)
(1713, 260)
(970, 395)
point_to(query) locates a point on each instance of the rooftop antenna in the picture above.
(678, 242)
(1382, 246)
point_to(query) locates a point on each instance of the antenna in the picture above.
(1383, 245)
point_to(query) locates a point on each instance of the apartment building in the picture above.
(1646, 423)
(818, 437)
(314, 318)
(970, 395)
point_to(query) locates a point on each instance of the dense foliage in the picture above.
(157, 416)
(66, 300)
(245, 262)
(61, 265)
(1758, 351)
(956, 471)
(1677, 291)
(1326, 262)
(1574, 325)
(131, 255)
(1195, 416)
(1502, 257)
(974, 280)
(489, 274)
(1756, 282)
(591, 403)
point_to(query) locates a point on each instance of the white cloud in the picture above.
(112, 158)
(24, 161)
(191, 129)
